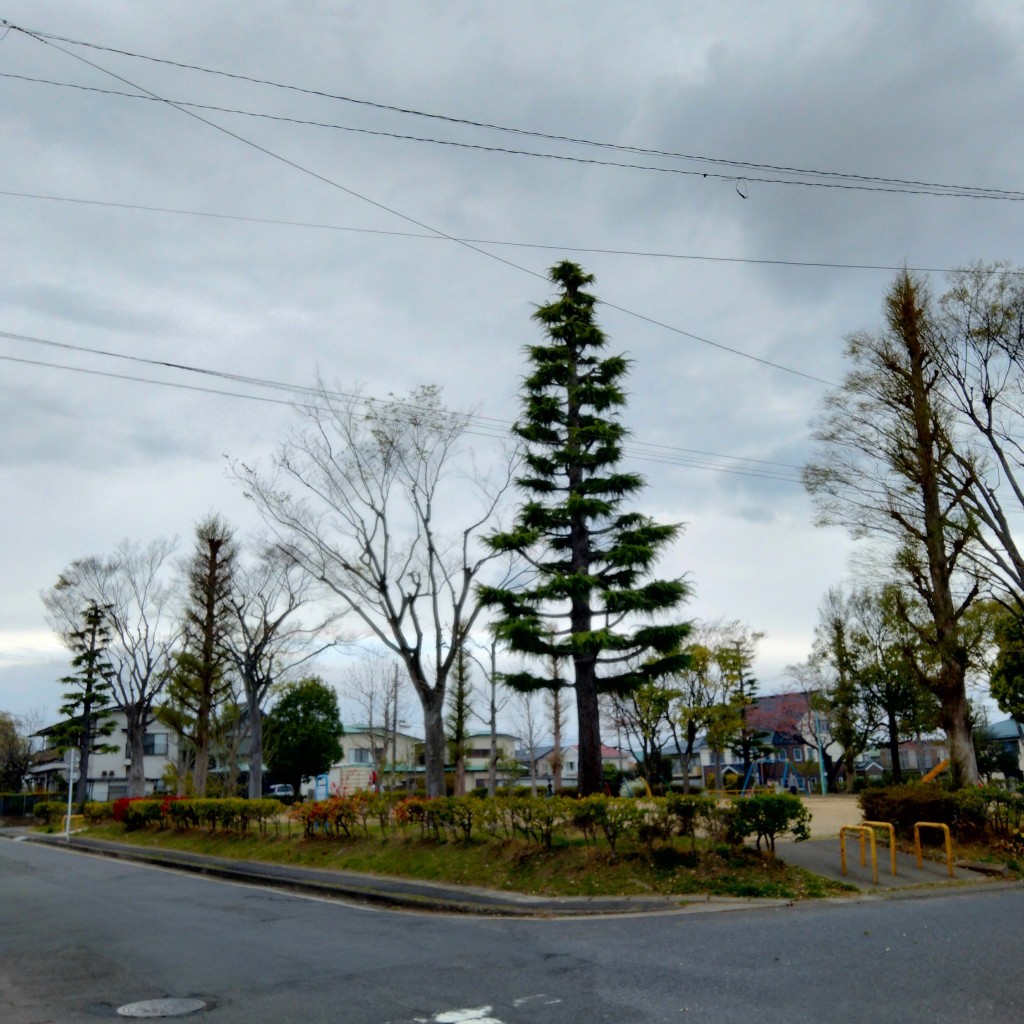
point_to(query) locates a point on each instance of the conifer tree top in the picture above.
(591, 557)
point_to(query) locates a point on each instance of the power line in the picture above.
(482, 425)
(958, 191)
(412, 220)
(568, 247)
(898, 184)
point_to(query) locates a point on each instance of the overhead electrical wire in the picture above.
(937, 190)
(567, 247)
(412, 220)
(890, 183)
(480, 425)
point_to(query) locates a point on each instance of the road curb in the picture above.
(403, 894)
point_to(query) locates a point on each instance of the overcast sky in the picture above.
(359, 277)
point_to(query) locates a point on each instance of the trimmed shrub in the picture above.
(50, 811)
(770, 816)
(719, 820)
(96, 812)
(1004, 810)
(906, 805)
(140, 813)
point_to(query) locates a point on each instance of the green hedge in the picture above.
(540, 821)
(967, 812)
(230, 815)
(51, 811)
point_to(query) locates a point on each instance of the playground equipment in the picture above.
(936, 771)
(765, 772)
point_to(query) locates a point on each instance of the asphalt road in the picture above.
(81, 935)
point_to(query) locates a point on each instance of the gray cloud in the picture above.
(915, 90)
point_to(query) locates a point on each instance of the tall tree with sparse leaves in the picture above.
(592, 600)
(888, 464)
(199, 681)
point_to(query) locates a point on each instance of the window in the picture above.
(154, 743)
(361, 756)
(798, 753)
(782, 755)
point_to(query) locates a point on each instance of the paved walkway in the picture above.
(822, 856)
(821, 853)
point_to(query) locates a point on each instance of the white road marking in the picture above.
(480, 1014)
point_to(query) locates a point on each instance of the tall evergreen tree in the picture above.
(742, 688)
(90, 693)
(591, 600)
(199, 681)
(460, 707)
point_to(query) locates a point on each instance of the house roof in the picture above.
(357, 730)
(1005, 730)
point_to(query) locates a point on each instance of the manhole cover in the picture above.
(161, 1008)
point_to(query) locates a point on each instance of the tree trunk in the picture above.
(894, 748)
(956, 721)
(556, 756)
(691, 737)
(137, 719)
(492, 722)
(256, 750)
(589, 717)
(434, 742)
(81, 787)
(202, 767)
(460, 772)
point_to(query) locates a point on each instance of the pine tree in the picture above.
(89, 695)
(460, 701)
(592, 600)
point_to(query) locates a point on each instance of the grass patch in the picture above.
(571, 868)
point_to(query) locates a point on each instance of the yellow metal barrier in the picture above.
(74, 823)
(949, 843)
(892, 839)
(862, 831)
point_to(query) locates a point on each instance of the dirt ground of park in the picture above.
(830, 813)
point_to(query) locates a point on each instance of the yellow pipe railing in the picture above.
(892, 839)
(949, 843)
(861, 831)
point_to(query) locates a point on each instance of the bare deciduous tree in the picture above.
(375, 685)
(268, 641)
(497, 699)
(133, 586)
(558, 709)
(979, 350)
(530, 722)
(362, 499)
